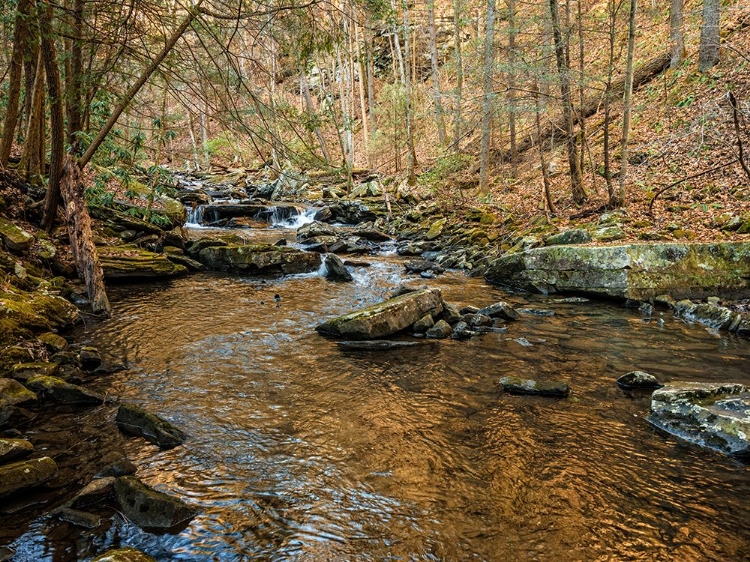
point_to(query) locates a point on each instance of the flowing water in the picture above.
(300, 451)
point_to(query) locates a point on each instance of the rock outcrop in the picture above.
(259, 259)
(634, 271)
(131, 262)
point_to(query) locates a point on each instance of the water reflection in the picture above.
(300, 451)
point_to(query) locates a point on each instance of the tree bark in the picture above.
(57, 120)
(74, 80)
(81, 239)
(14, 87)
(512, 106)
(708, 54)
(676, 36)
(459, 74)
(435, 74)
(31, 159)
(487, 103)
(627, 105)
(563, 68)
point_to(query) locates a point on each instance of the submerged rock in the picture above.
(123, 555)
(638, 379)
(712, 415)
(335, 269)
(148, 508)
(58, 390)
(259, 259)
(386, 318)
(79, 518)
(137, 421)
(421, 266)
(25, 474)
(376, 345)
(516, 385)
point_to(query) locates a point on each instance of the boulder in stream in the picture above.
(517, 385)
(638, 379)
(150, 509)
(62, 392)
(259, 259)
(335, 269)
(439, 331)
(376, 345)
(713, 415)
(137, 421)
(27, 474)
(500, 309)
(131, 262)
(385, 318)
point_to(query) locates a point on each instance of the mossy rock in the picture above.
(23, 311)
(12, 393)
(132, 262)
(54, 342)
(12, 355)
(259, 259)
(14, 238)
(124, 555)
(436, 229)
(25, 371)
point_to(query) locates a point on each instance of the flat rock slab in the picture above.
(264, 259)
(124, 555)
(12, 449)
(25, 474)
(634, 271)
(377, 345)
(148, 508)
(712, 415)
(62, 392)
(386, 318)
(516, 385)
(131, 262)
(137, 421)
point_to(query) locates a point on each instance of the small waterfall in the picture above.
(195, 216)
(281, 218)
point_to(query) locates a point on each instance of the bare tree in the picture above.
(488, 101)
(708, 54)
(627, 105)
(676, 35)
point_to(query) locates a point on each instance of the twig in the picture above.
(678, 182)
(736, 119)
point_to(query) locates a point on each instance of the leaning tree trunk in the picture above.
(81, 239)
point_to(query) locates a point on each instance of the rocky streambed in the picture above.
(435, 415)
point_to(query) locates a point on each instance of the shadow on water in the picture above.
(300, 451)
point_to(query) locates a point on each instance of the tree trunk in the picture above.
(512, 106)
(708, 55)
(311, 111)
(549, 204)
(81, 239)
(73, 81)
(412, 160)
(576, 180)
(435, 76)
(57, 119)
(31, 165)
(612, 10)
(627, 104)
(676, 37)
(14, 88)
(487, 103)
(459, 74)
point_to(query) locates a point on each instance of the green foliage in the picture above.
(444, 168)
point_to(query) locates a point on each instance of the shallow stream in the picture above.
(300, 451)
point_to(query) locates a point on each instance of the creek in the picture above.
(302, 451)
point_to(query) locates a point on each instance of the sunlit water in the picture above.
(300, 451)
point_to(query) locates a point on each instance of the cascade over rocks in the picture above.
(634, 271)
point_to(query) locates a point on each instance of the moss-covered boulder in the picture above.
(53, 342)
(259, 259)
(23, 475)
(62, 392)
(436, 229)
(12, 449)
(386, 318)
(709, 414)
(13, 237)
(26, 371)
(22, 312)
(572, 236)
(12, 394)
(635, 271)
(131, 262)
